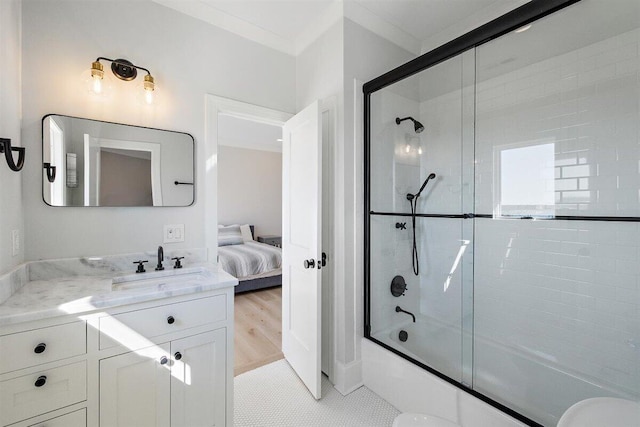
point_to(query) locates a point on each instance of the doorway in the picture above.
(219, 111)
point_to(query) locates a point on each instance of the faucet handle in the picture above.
(178, 264)
(140, 266)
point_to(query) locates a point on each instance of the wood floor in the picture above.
(258, 329)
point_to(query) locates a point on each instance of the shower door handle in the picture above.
(309, 263)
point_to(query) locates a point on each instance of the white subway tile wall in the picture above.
(557, 303)
(585, 104)
(564, 295)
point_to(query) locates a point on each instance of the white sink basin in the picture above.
(178, 276)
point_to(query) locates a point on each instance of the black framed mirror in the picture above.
(94, 163)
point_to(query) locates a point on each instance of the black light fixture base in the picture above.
(124, 70)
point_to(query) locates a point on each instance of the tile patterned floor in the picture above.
(273, 395)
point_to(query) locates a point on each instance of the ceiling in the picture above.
(291, 25)
(242, 133)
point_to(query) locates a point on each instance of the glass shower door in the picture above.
(421, 241)
(556, 308)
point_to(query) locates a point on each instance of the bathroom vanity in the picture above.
(154, 349)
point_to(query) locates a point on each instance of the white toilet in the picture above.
(602, 411)
(422, 420)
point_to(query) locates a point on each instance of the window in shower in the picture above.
(525, 179)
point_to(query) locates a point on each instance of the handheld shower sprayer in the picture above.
(424, 184)
(413, 201)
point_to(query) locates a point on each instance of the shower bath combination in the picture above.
(513, 262)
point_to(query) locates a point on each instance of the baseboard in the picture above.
(348, 377)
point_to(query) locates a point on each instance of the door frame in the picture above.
(215, 105)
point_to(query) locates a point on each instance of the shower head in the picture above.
(417, 126)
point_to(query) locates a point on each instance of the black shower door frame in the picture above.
(530, 12)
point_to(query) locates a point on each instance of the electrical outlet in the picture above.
(15, 242)
(173, 233)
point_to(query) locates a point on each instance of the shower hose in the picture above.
(414, 256)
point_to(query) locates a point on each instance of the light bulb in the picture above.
(407, 148)
(149, 87)
(96, 86)
(148, 96)
(97, 73)
(420, 150)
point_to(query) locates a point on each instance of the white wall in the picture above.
(318, 77)
(188, 58)
(366, 56)
(328, 68)
(10, 114)
(250, 189)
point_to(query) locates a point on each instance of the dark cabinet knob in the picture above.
(40, 348)
(178, 355)
(309, 263)
(171, 320)
(42, 380)
(164, 360)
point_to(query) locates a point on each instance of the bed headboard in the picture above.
(253, 234)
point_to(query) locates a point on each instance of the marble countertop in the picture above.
(77, 295)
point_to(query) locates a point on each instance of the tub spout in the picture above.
(398, 310)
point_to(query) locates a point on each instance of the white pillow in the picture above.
(246, 233)
(230, 235)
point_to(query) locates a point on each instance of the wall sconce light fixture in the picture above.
(124, 70)
(7, 149)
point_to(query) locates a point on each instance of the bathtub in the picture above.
(431, 342)
(535, 384)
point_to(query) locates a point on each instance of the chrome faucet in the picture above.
(160, 259)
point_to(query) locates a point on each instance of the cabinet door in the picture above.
(134, 388)
(198, 380)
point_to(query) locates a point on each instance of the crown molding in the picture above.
(211, 15)
(374, 23)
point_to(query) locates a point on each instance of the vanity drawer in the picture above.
(74, 419)
(130, 329)
(34, 394)
(38, 346)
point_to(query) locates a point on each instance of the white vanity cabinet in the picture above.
(134, 389)
(197, 380)
(159, 363)
(42, 370)
(176, 384)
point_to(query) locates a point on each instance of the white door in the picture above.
(134, 389)
(301, 245)
(198, 377)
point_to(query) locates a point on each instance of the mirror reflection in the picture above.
(109, 164)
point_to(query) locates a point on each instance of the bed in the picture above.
(255, 265)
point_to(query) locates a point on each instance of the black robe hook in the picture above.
(51, 172)
(6, 148)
